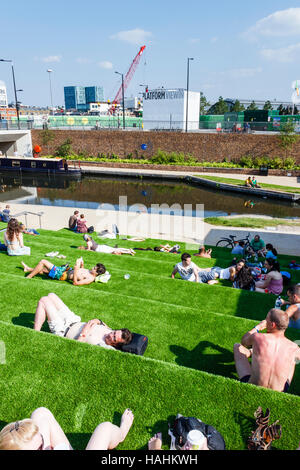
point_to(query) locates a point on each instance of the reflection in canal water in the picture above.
(96, 192)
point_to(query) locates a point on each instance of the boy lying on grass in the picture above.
(79, 275)
(63, 322)
(273, 355)
(42, 432)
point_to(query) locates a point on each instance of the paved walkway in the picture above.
(290, 181)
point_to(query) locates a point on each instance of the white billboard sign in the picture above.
(3, 95)
(166, 109)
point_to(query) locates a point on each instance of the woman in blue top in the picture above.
(271, 252)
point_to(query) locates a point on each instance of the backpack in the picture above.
(182, 426)
(90, 229)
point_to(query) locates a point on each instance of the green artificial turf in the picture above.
(188, 366)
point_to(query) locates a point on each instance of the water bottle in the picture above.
(278, 303)
(127, 276)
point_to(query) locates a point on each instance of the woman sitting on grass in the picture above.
(273, 283)
(243, 278)
(13, 239)
(271, 252)
(42, 432)
(81, 224)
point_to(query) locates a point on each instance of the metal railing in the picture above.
(15, 216)
(209, 125)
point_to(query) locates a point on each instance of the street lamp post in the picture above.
(50, 71)
(15, 90)
(187, 92)
(122, 97)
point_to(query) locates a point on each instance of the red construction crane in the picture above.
(127, 79)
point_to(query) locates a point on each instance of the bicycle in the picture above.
(230, 242)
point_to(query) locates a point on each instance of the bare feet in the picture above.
(26, 268)
(132, 252)
(126, 422)
(155, 442)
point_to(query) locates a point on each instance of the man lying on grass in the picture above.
(189, 271)
(42, 432)
(79, 275)
(63, 322)
(273, 355)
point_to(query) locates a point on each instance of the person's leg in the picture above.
(50, 429)
(43, 267)
(46, 308)
(107, 436)
(259, 289)
(241, 356)
(155, 442)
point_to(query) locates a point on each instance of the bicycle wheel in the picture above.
(225, 244)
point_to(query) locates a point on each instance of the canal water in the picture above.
(141, 195)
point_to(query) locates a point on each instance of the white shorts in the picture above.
(61, 320)
(105, 249)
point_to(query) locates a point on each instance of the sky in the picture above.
(242, 50)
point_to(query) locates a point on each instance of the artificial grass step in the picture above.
(144, 262)
(83, 385)
(173, 292)
(193, 338)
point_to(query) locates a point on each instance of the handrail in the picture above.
(39, 214)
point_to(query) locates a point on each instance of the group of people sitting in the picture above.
(251, 182)
(78, 223)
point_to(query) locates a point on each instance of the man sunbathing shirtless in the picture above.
(79, 275)
(63, 322)
(273, 355)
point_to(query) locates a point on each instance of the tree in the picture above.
(238, 107)
(287, 136)
(267, 106)
(47, 137)
(221, 107)
(204, 104)
(252, 106)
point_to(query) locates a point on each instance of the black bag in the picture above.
(91, 229)
(137, 345)
(182, 426)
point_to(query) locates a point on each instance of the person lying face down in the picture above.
(63, 322)
(91, 245)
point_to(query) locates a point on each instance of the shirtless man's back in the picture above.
(273, 356)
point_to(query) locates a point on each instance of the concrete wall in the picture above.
(207, 147)
(15, 141)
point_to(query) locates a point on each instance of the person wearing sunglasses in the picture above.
(42, 432)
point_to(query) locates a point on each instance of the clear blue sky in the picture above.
(240, 49)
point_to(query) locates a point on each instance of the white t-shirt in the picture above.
(225, 273)
(187, 273)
